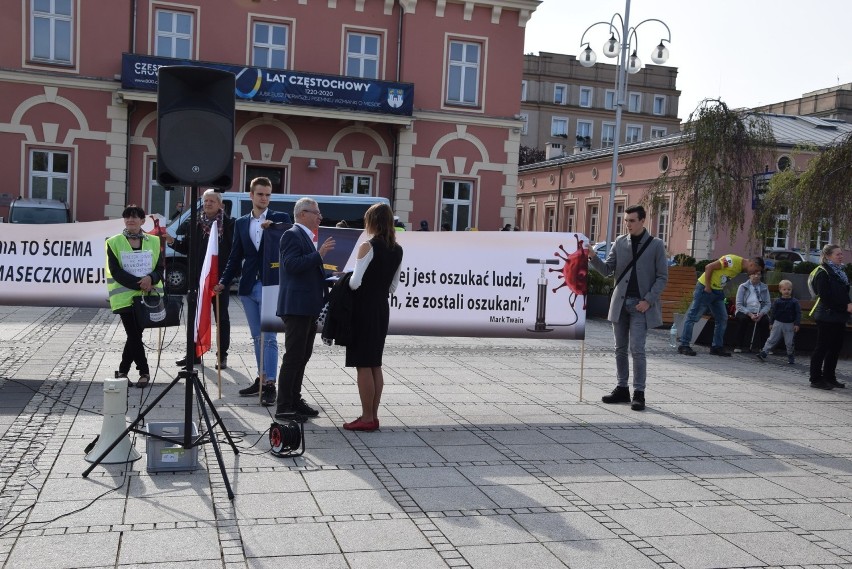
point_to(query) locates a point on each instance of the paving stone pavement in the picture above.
(486, 458)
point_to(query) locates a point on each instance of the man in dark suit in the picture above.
(301, 295)
(635, 303)
(247, 254)
(196, 247)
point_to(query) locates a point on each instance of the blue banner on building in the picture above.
(284, 86)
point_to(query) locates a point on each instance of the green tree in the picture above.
(711, 177)
(821, 195)
(529, 155)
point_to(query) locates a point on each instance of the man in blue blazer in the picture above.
(247, 256)
(302, 293)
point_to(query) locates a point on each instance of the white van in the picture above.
(237, 204)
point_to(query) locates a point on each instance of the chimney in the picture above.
(553, 150)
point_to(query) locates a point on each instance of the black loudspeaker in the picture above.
(195, 127)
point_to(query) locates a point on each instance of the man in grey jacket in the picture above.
(635, 304)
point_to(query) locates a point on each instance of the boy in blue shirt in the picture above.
(785, 319)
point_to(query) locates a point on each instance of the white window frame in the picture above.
(664, 222)
(593, 220)
(570, 218)
(269, 45)
(589, 131)
(463, 68)
(554, 131)
(355, 184)
(610, 100)
(589, 95)
(634, 102)
(55, 21)
(780, 234)
(523, 90)
(605, 141)
(563, 98)
(525, 127)
(816, 241)
(619, 217)
(658, 132)
(362, 58)
(661, 99)
(550, 218)
(636, 128)
(50, 175)
(454, 203)
(172, 35)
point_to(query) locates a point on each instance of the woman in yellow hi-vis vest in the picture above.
(134, 265)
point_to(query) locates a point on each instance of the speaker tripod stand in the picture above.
(194, 386)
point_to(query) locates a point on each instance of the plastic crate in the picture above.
(164, 456)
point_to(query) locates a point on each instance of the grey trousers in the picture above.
(630, 332)
(779, 329)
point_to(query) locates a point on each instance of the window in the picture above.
(592, 222)
(784, 163)
(275, 175)
(570, 218)
(609, 100)
(820, 237)
(526, 118)
(584, 130)
(634, 102)
(455, 204)
(559, 127)
(531, 226)
(523, 90)
(174, 34)
(270, 45)
(585, 96)
(619, 219)
(659, 104)
(51, 36)
(362, 55)
(560, 93)
(355, 185)
(463, 73)
(159, 200)
(550, 219)
(777, 236)
(607, 135)
(658, 132)
(50, 175)
(634, 133)
(663, 218)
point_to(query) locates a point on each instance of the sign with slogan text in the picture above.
(56, 265)
(285, 86)
(473, 283)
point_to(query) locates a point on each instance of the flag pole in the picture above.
(218, 347)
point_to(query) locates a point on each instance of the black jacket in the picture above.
(198, 243)
(833, 296)
(338, 324)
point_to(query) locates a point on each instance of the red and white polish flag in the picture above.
(209, 278)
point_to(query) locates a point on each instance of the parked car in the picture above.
(795, 257)
(600, 249)
(36, 210)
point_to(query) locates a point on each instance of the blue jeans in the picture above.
(630, 332)
(251, 304)
(701, 302)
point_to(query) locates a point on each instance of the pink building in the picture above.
(571, 193)
(74, 124)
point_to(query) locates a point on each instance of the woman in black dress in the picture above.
(376, 275)
(832, 311)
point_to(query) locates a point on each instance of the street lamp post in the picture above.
(619, 44)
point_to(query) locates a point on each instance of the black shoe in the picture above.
(686, 350)
(252, 389)
(638, 401)
(182, 362)
(714, 351)
(267, 398)
(822, 385)
(223, 364)
(305, 409)
(835, 383)
(618, 395)
(290, 415)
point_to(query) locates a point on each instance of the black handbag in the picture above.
(155, 311)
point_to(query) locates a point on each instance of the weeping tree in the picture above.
(711, 177)
(818, 197)
(529, 155)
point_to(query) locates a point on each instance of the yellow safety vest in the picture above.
(119, 295)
